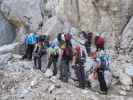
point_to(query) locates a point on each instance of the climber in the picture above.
(88, 42)
(68, 38)
(104, 66)
(30, 42)
(83, 33)
(53, 54)
(37, 54)
(44, 39)
(91, 65)
(78, 65)
(66, 57)
(99, 42)
(61, 39)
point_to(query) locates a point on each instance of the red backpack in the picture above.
(68, 53)
(100, 41)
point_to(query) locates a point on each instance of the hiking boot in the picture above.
(102, 92)
(88, 84)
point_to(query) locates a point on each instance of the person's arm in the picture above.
(35, 48)
(74, 58)
(98, 64)
(48, 56)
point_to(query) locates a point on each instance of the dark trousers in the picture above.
(29, 51)
(54, 62)
(64, 71)
(38, 62)
(88, 49)
(80, 74)
(101, 79)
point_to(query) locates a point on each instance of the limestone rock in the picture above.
(56, 25)
(20, 12)
(126, 40)
(125, 79)
(123, 93)
(7, 31)
(7, 48)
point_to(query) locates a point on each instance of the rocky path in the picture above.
(19, 81)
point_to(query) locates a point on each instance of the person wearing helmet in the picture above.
(78, 62)
(68, 38)
(104, 66)
(99, 42)
(53, 54)
(88, 42)
(66, 58)
(30, 41)
(37, 54)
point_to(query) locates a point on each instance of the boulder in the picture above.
(7, 48)
(129, 71)
(4, 60)
(125, 79)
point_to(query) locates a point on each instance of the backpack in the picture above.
(100, 41)
(104, 62)
(68, 53)
(53, 51)
(31, 39)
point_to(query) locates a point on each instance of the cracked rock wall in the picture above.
(108, 16)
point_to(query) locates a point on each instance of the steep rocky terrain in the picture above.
(114, 18)
(20, 81)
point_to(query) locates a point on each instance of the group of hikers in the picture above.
(70, 56)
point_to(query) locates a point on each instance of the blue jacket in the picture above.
(31, 38)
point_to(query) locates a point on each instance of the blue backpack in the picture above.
(31, 39)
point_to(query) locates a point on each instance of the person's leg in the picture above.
(49, 63)
(31, 51)
(81, 77)
(88, 84)
(26, 52)
(39, 63)
(66, 73)
(55, 68)
(103, 86)
(35, 62)
(61, 70)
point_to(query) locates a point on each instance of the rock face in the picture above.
(7, 31)
(127, 37)
(25, 11)
(108, 16)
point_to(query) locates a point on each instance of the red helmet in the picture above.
(67, 37)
